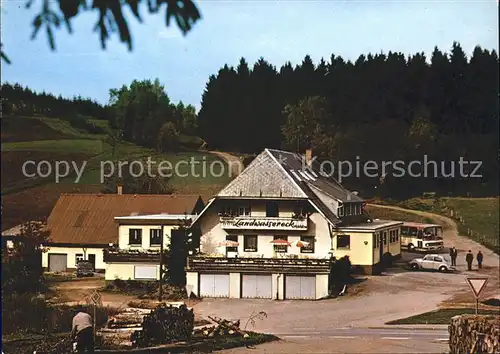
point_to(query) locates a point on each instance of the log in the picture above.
(230, 325)
(474, 334)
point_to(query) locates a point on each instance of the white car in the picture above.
(432, 262)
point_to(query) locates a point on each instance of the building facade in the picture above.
(140, 239)
(82, 226)
(272, 231)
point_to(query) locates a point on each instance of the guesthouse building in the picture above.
(272, 232)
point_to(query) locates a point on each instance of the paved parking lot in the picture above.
(343, 325)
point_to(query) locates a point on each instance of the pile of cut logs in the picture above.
(222, 328)
(474, 334)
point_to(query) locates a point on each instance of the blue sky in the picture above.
(276, 30)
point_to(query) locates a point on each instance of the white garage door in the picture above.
(256, 286)
(214, 285)
(297, 287)
(58, 262)
(145, 272)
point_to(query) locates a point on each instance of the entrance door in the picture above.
(256, 286)
(214, 285)
(58, 262)
(300, 287)
(91, 259)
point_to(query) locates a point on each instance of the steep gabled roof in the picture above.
(282, 174)
(89, 218)
(264, 177)
(297, 169)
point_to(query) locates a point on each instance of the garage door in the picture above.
(256, 286)
(58, 262)
(145, 272)
(297, 287)
(214, 285)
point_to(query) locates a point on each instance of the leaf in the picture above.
(4, 57)
(51, 37)
(134, 5)
(37, 23)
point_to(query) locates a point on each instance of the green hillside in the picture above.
(56, 140)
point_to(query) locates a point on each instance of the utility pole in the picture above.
(160, 296)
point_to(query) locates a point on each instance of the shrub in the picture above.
(164, 325)
(25, 312)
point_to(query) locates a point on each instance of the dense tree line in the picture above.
(145, 115)
(380, 107)
(23, 101)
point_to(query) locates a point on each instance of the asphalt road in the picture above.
(438, 334)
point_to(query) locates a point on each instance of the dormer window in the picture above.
(340, 211)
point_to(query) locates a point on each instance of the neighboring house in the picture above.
(12, 238)
(137, 256)
(83, 225)
(272, 231)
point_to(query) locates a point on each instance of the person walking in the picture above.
(479, 258)
(469, 258)
(83, 331)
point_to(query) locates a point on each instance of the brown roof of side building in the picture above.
(87, 219)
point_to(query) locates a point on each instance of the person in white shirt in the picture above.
(82, 331)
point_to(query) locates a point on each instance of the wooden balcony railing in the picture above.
(113, 256)
(258, 265)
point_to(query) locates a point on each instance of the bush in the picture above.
(164, 325)
(79, 122)
(28, 313)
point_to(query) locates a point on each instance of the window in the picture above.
(384, 238)
(244, 211)
(155, 237)
(397, 235)
(135, 237)
(427, 258)
(227, 211)
(374, 241)
(438, 259)
(272, 209)
(250, 243)
(340, 211)
(308, 247)
(347, 208)
(391, 236)
(299, 210)
(78, 257)
(344, 241)
(281, 248)
(232, 238)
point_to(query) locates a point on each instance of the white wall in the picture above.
(71, 253)
(212, 233)
(126, 271)
(123, 235)
(278, 285)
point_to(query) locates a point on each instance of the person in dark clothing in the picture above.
(83, 331)
(479, 258)
(469, 258)
(453, 256)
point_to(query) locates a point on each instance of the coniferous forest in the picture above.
(381, 107)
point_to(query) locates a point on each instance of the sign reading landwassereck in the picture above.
(263, 223)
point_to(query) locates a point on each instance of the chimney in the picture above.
(119, 189)
(309, 153)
